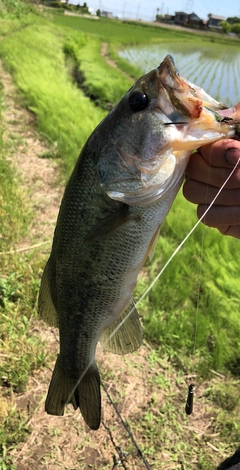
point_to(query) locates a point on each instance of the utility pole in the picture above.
(189, 6)
(138, 9)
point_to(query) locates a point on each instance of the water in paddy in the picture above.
(214, 67)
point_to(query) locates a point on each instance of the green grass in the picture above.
(192, 314)
(101, 81)
(193, 307)
(21, 350)
(132, 32)
(35, 57)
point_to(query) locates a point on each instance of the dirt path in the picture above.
(38, 174)
(104, 53)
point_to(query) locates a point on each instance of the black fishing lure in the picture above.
(189, 404)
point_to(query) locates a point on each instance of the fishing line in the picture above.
(200, 269)
(125, 425)
(165, 266)
(148, 290)
(189, 402)
(172, 256)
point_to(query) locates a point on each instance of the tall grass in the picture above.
(35, 57)
(101, 81)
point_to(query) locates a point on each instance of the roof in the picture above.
(193, 16)
(181, 13)
(216, 17)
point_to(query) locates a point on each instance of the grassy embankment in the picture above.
(193, 310)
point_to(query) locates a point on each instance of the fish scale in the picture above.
(118, 195)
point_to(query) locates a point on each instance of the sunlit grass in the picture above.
(191, 316)
(100, 80)
(64, 114)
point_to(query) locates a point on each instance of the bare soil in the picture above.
(65, 442)
(112, 63)
(37, 173)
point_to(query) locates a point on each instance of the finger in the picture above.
(198, 169)
(219, 216)
(223, 153)
(200, 193)
(236, 114)
(232, 230)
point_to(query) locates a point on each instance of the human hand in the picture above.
(207, 170)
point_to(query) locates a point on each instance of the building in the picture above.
(186, 19)
(194, 21)
(181, 18)
(214, 21)
(107, 14)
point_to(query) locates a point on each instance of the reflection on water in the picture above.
(214, 67)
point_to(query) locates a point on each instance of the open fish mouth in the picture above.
(163, 118)
(188, 100)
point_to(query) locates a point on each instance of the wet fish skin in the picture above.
(118, 195)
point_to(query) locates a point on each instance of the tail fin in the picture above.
(86, 394)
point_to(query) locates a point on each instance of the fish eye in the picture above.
(138, 101)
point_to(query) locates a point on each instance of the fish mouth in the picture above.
(192, 115)
(179, 117)
(188, 100)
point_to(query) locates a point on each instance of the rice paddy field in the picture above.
(213, 67)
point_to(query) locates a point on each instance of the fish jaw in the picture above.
(181, 89)
(204, 130)
(147, 153)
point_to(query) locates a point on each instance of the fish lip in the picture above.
(179, 92)
(169, 64)
(188, 100)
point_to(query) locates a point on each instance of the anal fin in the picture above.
(125, 334)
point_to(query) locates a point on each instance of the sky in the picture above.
(147, 10)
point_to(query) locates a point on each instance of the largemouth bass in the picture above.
(115, 202)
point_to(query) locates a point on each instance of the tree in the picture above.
(159, 18)
(235, 28)
(226, 27)
(98, 12)
(233, 20)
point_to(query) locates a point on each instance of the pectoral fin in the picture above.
(110, 224)
(46, 307)
(125, 334)
(153, 244)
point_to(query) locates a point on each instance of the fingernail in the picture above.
(232, 156)
(227, 112)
